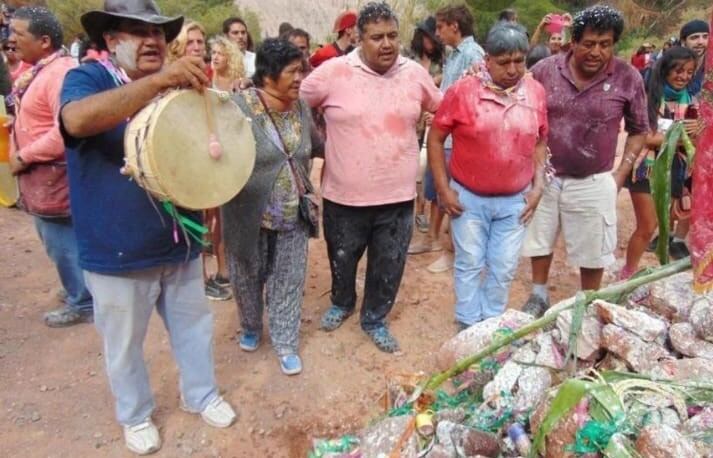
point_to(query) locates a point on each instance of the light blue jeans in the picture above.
(60, 242)
(487, 239)
(122, 307)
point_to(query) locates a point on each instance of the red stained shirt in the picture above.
(494, 136)
(585, 124)
(325, 53)
(638, 61)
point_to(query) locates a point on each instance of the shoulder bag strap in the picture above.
(285, 150)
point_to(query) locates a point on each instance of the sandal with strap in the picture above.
(383, 339)
(333, 318)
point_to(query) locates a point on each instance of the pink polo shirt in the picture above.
(22, 68)
(371, 155)
(37, 122)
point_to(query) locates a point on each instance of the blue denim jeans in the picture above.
(123, 305)
(429, 186)
(487, 238)
(60, 242)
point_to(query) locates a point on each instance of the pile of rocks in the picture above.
(667, 336)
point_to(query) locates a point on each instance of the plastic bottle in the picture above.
(518, 437)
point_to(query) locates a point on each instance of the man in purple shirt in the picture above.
(588, 93)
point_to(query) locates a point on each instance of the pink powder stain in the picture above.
(395, 124)
(341, 71)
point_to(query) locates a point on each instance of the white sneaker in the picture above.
(443, 264)
(218, 413)
(143, 438)
(425, 245)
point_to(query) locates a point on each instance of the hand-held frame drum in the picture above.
(168, 144)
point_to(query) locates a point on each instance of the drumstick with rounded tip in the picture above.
(214, 148)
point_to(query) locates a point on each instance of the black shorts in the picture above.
(678, 180)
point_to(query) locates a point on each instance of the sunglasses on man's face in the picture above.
(10, 48)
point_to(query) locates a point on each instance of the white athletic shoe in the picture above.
(217, 413)
(143, 438)
(443, 264)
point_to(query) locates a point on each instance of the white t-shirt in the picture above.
(74, 49)
(249, 63)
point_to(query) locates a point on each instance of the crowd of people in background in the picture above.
(520, 134)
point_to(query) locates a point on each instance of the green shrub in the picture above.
(529, 12)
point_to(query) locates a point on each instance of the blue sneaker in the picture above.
(290, 364)
(249, 341)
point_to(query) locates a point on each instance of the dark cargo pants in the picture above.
(383, 230)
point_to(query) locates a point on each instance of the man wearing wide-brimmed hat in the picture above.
(131, 257)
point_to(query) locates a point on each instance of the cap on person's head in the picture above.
(695, 26)
(428, 26)
(345, 20)
(96, 22)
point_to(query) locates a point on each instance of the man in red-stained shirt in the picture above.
(498, 120)
(588, 93)
(347, 36)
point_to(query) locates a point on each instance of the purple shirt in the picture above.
(584, 125)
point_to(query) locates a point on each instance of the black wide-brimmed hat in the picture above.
(429, 27)
(96, 22)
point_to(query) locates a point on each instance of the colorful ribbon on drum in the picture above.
(189, 227)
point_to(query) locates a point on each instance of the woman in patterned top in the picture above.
(265, 227)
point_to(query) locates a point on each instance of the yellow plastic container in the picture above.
(8, 183)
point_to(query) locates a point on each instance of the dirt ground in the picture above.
(55, 399)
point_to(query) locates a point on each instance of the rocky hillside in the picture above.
(315, 16)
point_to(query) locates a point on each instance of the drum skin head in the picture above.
(177, 149)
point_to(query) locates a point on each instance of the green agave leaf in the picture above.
(661, 187)
(618, 376)
(696, 392)
(620, 447)
(580, 307)
(688, 147)
(611, 405)
(568, 396)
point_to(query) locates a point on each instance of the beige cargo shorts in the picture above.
(584, 210)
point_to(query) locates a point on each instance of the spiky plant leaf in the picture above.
(575, 329)
(661, 187)
(568, 396)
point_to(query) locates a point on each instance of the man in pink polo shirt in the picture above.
(372, 100)
(37, 154)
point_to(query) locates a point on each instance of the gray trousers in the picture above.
(122, 307)
(276, 278)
